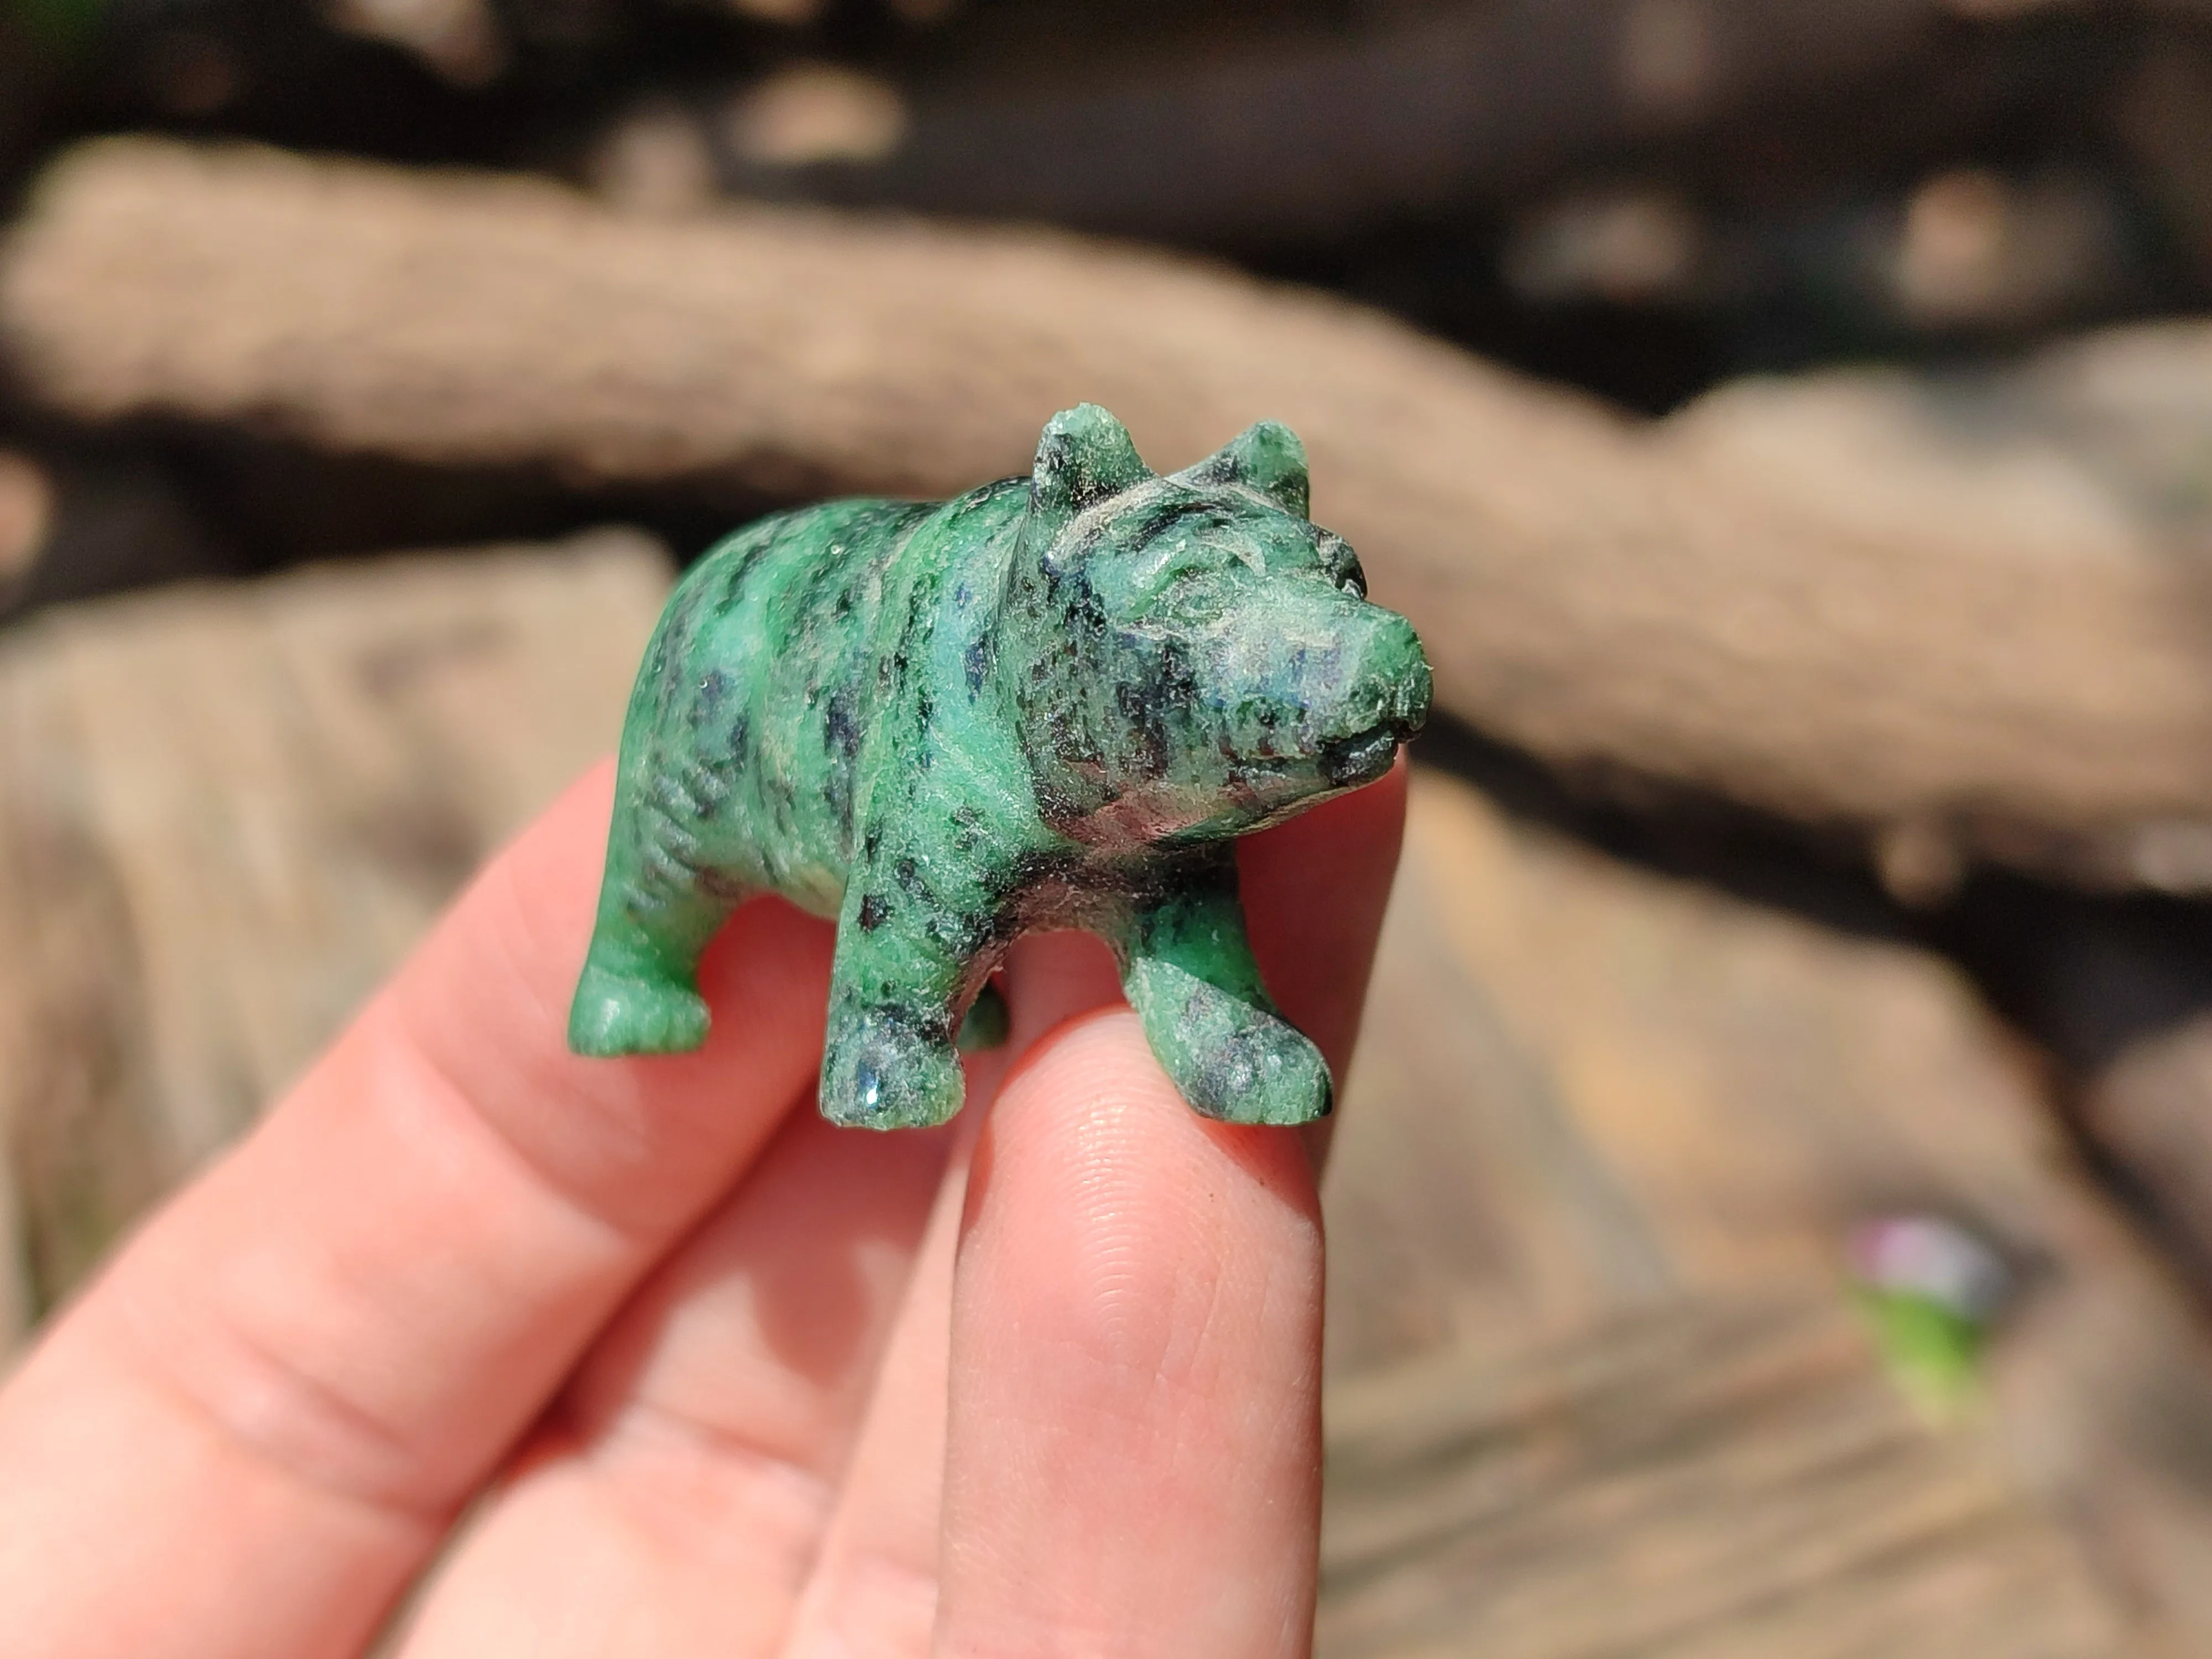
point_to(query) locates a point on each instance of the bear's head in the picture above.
(1193, 657)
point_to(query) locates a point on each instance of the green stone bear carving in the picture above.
(1050, 702)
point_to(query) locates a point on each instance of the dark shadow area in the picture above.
(1675, 831)
(2084, 974)
(151, 502)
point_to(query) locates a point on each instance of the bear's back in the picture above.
(759, 671)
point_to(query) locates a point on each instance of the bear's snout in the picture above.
(1384, 699)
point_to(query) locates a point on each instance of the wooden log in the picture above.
(1615, 598)
(1585, 1093)
(225, 812)
(1287, 131)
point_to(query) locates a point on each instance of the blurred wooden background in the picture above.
(1790, 426)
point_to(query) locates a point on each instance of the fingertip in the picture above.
(1314, 889)
(1107, 1209)
(1053, 978)
(1087, 1109)
(1136, 1339)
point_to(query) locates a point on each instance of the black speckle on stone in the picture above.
(841, 729)
(748, 555)
(741, 736)
(1035, 866)
(875, 910)
(873, 840)
(961, 933)
(1178, 681)
(908, 874)
(978, 663)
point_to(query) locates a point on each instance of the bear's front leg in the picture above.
(888, 1056)
(1187, 969)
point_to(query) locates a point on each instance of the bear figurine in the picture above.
(1050, 703)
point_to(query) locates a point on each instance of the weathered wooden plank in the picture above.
(225, 811)
(1711, 1477)
(1586, 1092)
(1654, 1087)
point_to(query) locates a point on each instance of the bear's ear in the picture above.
(1266, 457)
(1083, 456)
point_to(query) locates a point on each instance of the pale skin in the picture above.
(706, 1374)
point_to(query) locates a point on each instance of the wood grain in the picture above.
(1711, 1477)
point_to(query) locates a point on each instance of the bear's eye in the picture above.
(1178, 561)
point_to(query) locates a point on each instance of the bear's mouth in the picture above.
(1362, 759)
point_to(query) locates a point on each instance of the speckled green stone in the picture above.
(1050, 702)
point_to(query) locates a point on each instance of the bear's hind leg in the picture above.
(639, 992)
(619, 1011)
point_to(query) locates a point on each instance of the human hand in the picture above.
(664, 1366)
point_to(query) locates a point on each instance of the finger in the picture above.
(683, 1480)
(872, 1592)
(262, 1416)
(1133, 1460)
(1313, 890)
(685, 1477)
(873, 1588)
